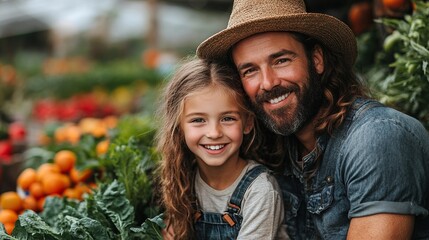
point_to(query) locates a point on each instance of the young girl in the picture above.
(210, 188)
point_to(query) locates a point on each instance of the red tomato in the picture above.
(6, 151)
(17, 131)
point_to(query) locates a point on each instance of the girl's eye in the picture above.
(197, 120)
(228, 119)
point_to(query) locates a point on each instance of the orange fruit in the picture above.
(94, 126)
(73, 134)
(11, 200)
(88, 124)
(60, 135)
(72, 193)
(360, 17)
(54, 183)
(80, 176)
(9, 227)
(102, 147)
(26, 178)
(396, 5)
(66, 180)
(29, 202)
(110, 121)
(44, 139)
(99, 131)
(92, 185)
(36, 190)
(82, 188)
(65, 160)
(8, 216)
(46, 168)
(150, 58)
(41, 203)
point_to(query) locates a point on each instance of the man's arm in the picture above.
(381, 226)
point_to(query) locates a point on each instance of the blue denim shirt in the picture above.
(376, 162)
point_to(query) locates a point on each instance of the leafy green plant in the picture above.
(105, 214)
(107, 75)
(404, 82)
(133, 165)
(84, 149)
(130, 162)
(131, 159)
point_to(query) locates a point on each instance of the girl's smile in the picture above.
(213, 126)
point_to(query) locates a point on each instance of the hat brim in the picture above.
(335, 34)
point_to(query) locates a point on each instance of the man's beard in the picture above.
(283, 121)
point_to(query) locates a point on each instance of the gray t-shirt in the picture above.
(261, 208)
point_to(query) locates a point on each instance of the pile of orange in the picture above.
(59, 178)
(8, 218)
(11, 204)
(71, 132)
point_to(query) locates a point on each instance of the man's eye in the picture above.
(247, 72)
(282, 60)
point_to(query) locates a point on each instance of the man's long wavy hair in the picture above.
(341, 86)
(178, 164)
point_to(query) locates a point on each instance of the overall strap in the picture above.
(234, 204)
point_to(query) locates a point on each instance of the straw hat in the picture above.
(249, 17)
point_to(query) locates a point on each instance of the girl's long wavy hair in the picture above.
(178, 165)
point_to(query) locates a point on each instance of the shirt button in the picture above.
(329, 179)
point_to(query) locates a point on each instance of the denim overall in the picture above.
(212, 226)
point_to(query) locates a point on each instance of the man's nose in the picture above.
(269, 79)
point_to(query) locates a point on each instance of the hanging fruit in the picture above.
(360, 17)
(397, 5)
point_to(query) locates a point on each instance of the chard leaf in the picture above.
(117, 207)
(4, 235)
(94, 228)
(31, 226)
(52, 209)
(151, 228)
(84, 228)
(96, 212)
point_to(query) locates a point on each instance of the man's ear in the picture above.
(318, 59)
(249, 124)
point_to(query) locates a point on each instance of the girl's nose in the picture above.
(214, 131)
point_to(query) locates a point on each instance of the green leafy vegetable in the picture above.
(106, 214)
(404, 82)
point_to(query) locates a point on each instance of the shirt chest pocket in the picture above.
(319, 201)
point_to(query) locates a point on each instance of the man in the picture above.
(354, 168)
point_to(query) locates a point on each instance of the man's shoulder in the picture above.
(377, 129)
(378, 118)
(369, 109)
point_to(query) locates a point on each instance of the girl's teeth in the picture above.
(278, 99)
(214, 147)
